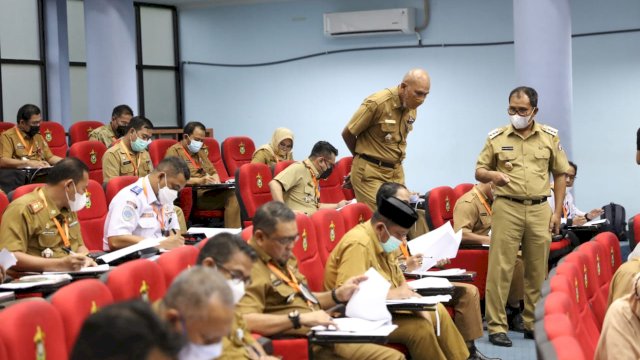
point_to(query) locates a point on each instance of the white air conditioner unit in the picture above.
(372, 22)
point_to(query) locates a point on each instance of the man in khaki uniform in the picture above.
(108, 134)
(472, 214)
(377, 134)
(278, 300)
(298, 185)
(193, 151)
(41, 228)
(129, 156)
(621, 281)
(23, 146)
(518, 158)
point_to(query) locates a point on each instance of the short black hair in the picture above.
(121, 110)
(191, 126)
(173, 165)
(138, 123)
(26, 112)
(388, 189)
(531, 93)
(270, 214)
(574, 166)
(221, 248)
(67, 168)
(123, 331)
(324, 149)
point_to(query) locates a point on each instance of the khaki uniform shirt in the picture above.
(382, 125)
(12, 148)
(115, 162)
(622, 281)
(268, 294)
(299, 184)
(527, 162)
(28, 226)
(234, 345)
(263, 156)
(359, 250)
(202, 166)
(619, 335)
(470, 215)
(104, 134)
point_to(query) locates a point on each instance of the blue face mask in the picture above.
(139, 145)
(392, 244)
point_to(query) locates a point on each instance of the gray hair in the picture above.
(192, 290)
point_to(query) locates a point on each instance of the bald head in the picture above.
(414, 88)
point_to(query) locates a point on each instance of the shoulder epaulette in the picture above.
(136, 190)
(549, 130)
(36, 206)
(495, 132)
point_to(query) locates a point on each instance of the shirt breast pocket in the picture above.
(506, 157)
(284, 294)
(48, 238)
(542, 154)
(309, 193)
(126, 168)
(148, 223)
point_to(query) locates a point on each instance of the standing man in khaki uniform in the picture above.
(129, 156)
(518, 158)
(377, 134)
(278, 300)
(108, 134)
(42, 229)
(23, 146)
(193, 151)
(298, 185)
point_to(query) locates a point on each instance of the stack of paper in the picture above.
(441, 273)
(441, 243)
(423, 300)
(85, 270)
(30, 281)
(430, 283)
(368, 302)
(209, 232)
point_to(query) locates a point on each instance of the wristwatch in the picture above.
(294, 317)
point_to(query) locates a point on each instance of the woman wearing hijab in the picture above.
(277, 150)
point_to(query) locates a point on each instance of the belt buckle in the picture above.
(527, 202)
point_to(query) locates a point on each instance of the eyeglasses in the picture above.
(236, 276)
(287, 240)
(570, 177)
(520, 111)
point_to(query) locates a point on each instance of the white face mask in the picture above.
(237, 289)
(193, 351)
(195, 146)
(519, 122)
(79, 203)
(167, 196)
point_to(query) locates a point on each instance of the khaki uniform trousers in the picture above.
(466, 305)
(216, 199)
(516, 292)
(367, 178)
(418, 334)
(356, 352)
(512, 224)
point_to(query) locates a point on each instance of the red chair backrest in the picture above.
(306, 252)
(90, 153)
(175, 261)
(55, 137)
(343, 166)
(281, 165)
(137, 279)
(568, 348)
(597, 301)
(329, 230)
(33, 328)
(23, 190)
(252, 189)
(81, 129)
(4, 126)
(237, 151)
(598, 256)
(612, 245)
(247, 233)
(158, 149)
(76, 301)
(116, 184)
(331, 188)
(460, 190)
(213, 149)
(354, 214)
(4, 202)
(440, 201)
(92, 217)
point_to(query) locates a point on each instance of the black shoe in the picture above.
(500, 339)
(475, 354)
(528, 334)
(516, 323)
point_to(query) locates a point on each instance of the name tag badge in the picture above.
(507, 148)
(126, 162)
(389, 121)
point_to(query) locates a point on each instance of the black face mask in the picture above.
(325, 174)
(121, 131)
(33, 131)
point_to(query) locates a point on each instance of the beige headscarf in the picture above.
(273, 148)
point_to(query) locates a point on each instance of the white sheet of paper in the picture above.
(595, 222)
(443, 273)
(430, 283)
(7, 259)
(209, 232)
(381, 331)
(441, 243)
(352, 325)
(26, 282)
(425, 300)
(85, 270)
(144, 244)
(7, 296)
(352, 201)
(368, 302)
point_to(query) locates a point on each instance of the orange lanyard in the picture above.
(293, 282)
(191, 159)
(156, 209)
(135, 166)
(482, 200)
(405, 250)
(63, 234)
(316, 186)
(564, 210)
(24, 143)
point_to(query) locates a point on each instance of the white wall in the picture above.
(316, 97)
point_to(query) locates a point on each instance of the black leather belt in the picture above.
(377, 162)
(525, 201)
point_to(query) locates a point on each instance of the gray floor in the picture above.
(521, 350)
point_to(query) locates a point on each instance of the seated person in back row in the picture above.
(117, 128)
(129, 156)
(192, 150)
(23, 146)
(298, 186)
(42, 228)
(571, 215)
(279, 149)
(145, 208)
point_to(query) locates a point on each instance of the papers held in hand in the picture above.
(7, 259)
(441, 243)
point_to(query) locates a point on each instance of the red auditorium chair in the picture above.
(460, 190)
(307, 254)
(612, 247)
(93, 215)
(4, 202)
(32, 330)
(158, 149)
(4, 126)
(76, 301)
(343, 166)
(213, 152)
(597, 302)
(567, 348)
(237, 151)
(281, 165)
(247, 233)
(252, 189)
(354, 214)
(634, 229)
(116, 184)
(90, 153)
(55, 136)
(175, 261)
(329, 228)
(598, 256)
(22, 190)
(331, 188)
(81, 129)
(440, 202)
(137, 279)
(3, 350)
